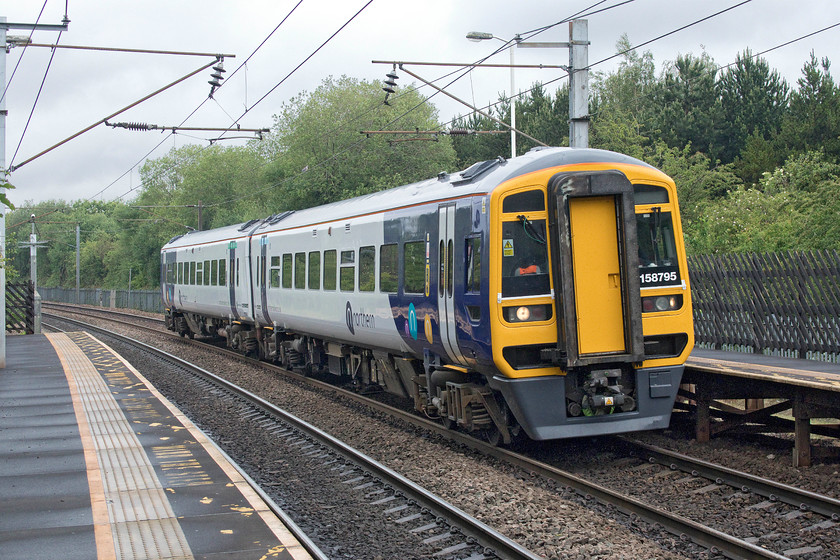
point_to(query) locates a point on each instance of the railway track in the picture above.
(445, 529)
(712, 539)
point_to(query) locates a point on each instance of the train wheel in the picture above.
(493, 436)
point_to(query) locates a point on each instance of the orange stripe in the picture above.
(101, 520)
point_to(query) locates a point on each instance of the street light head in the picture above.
(476, 36)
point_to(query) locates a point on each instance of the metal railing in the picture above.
(144, 300)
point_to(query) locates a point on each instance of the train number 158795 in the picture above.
(662, 276)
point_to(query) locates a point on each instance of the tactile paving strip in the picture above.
(142, 522)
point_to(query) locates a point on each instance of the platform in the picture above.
(805, 390)
(96, 464)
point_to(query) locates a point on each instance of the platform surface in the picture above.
(792, 371)
(96, 464)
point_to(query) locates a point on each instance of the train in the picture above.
(545, 295)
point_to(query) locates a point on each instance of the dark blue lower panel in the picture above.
(539, 405)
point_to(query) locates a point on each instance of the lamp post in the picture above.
(578, 69)
(477, 36)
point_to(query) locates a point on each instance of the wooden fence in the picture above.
(784, 304)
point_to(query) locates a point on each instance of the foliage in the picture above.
(316, 154)
(756, 162)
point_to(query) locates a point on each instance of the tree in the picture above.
(753, 100)
(685, 109)
(813, 120)
(624, 96)
(317, 155)
(538, 114)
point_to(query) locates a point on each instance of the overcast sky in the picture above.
(83, 87)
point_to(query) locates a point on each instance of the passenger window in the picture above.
(192, 273)
(388, 272)
(472, 265)
(330, 269)
(222, 272)
(287, 270)
(367, 269)
(214, 273)
(314, 270)
(274, 274)
(199, 274)
(207, 273)
(300, 271)
(347, 273)
(414, 266)
(441, 267)
(450, 266)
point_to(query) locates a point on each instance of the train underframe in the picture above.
(456, 397)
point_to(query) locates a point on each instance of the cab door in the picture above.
(597, 275)
(595, 258)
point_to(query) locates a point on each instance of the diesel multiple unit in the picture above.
(546, 294)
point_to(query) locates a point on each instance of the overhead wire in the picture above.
(426, 100)
(194, 111)
(35, 103)
(23, 52)
(286, 77)
(633, 48)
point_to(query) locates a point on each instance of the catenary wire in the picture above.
(23, 52)
(35, 103)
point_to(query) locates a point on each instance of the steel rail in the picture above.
(698, 533)
(797, 497)
(284, 518)
(483, 534)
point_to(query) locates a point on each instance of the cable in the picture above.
(752, 56)
(23, 52)
(622, 53)
(278, 84)
(35, 103)
(194, 111)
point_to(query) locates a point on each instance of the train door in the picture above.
(595, 258)
(168, 269)
(232, 279)
(262, 275)
(597, 275)
(446, 287)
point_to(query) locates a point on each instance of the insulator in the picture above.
(219, 67)
(459, 131)
(391, 83)
(137, 126)
(392, 75)
(388, 90)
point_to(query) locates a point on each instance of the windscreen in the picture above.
(658, 265)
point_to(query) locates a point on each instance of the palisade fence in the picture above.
(781, 304)
(144, 300)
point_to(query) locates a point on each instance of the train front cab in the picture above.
(593, 319)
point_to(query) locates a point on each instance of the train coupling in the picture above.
(601, 393)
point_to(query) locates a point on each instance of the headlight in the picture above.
(661, 303)
(527, 313)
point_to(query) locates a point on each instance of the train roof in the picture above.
(479, 178)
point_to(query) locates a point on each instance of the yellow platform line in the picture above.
(132, 517)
